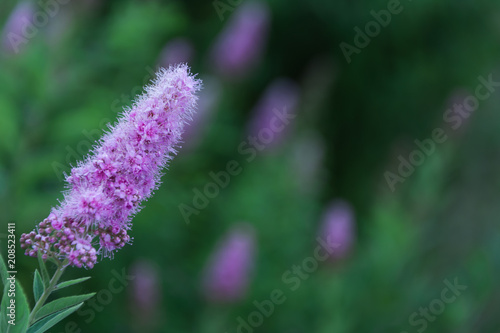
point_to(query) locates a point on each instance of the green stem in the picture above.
(53, 282)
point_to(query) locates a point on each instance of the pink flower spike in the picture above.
(239, 47)
(338, 229)
(18, 29)
(228, 272)
(145, 294)
(106, 189)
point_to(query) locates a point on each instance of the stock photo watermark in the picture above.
(91, 137)
(116, 285)
(222, 6)
(30, 26)
(372, 29)
(292, 279)
(454, 117)
(420, 319)
(249, 148)
(11, 275)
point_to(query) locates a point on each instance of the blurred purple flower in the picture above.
(338, 228)
(179, 50)
(281, 94)
(14, 34)
(228, 272)
(145, 290)
(240, 45)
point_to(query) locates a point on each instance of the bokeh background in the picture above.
(324, 175)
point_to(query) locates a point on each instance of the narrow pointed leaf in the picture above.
(38, 287)
(3, 271)
(3, 309)
(70, 283)
(43, 269)
(60, 304)
(22, 311)
(49, 321)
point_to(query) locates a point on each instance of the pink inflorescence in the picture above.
(227, 274)
(106, 189)
(339, 228)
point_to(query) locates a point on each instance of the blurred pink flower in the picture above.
(15, 33)
(227, 274)
(240, 45)
(339, 228)
(145, 289)
(281, 94)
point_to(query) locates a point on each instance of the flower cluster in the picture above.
(70, 241)
(240, 45)
(106, 189)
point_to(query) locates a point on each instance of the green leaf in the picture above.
(60, 304)
(49, 321)
(70, 283)
(22, 311)
(38, 287)
(3, 306)
(43, 269)
(3, 271)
